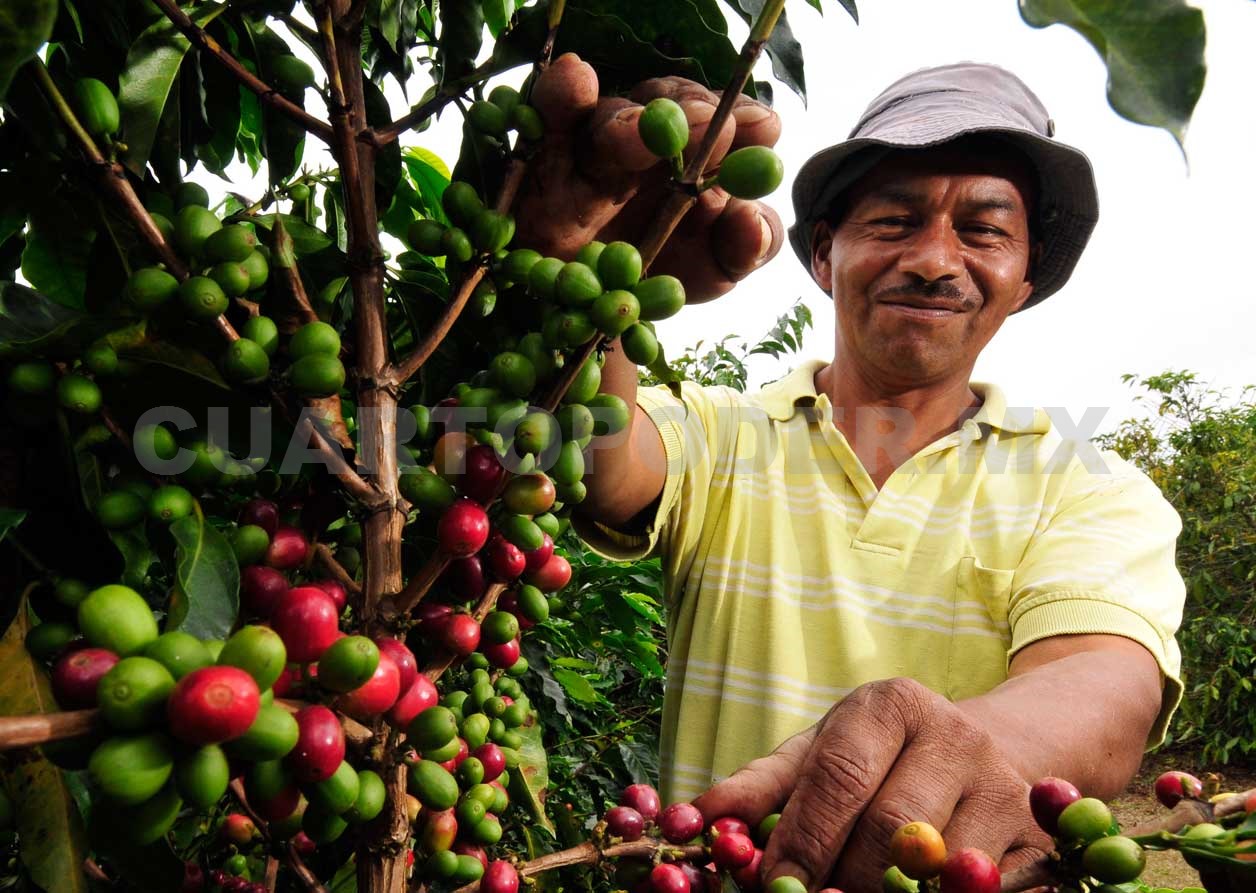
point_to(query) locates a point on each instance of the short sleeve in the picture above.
(1105, 562)
(693, 429)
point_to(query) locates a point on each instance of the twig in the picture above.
(264, 91)
(417, 587)
(271, 877)
(488, 601)
(679, 201)
(588, 853)
(353, 482)
(112, 176)
(323, 553)
(554, 19)
(382, 136)
(401, 372)
(307, 878)
(29, 731)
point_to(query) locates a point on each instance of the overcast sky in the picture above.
(1163, 283)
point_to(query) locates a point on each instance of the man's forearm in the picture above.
(1083, 716)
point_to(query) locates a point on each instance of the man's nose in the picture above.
(933, 252)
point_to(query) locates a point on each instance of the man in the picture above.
(930, 599)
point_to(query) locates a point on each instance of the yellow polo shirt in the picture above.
(790, 579)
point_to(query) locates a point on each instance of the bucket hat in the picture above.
(935, 106)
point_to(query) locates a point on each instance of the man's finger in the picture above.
(615, 150)
(853, 753)
(757, 124)
(746, 236)
(761, 787)
(565, 93)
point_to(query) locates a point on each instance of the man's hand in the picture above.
(890, 753)
(595, 179)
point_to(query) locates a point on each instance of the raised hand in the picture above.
(595, 179)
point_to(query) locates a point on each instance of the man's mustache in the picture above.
(928, 291)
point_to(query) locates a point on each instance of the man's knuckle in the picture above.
(834, 770)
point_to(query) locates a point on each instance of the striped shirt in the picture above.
(790, 579)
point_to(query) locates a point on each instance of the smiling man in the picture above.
(915, 599)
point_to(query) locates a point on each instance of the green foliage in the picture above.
(1154, 52)
(726, 362)
(1200, 449)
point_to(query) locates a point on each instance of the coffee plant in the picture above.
(294, 509)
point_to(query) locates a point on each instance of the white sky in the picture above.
(1154, 290)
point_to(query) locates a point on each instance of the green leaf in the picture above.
(152, 64)
(1154, 51)
(782, 47)
(29, 321)
(497, 15)
(430, 176)
(206, 599)
(48, 822)
(174, 356)
(529, 782)
(25, 26)
(576, 686)
(345, 879)
(306, 239)
(10, 519)
(58, 245)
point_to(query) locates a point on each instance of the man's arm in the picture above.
(1091, 703)
(894, 752)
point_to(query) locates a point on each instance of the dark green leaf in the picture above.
(58, 244)
(306, 239)
(152, 64)
(165, 353)
(782, 47)
(48, 822)
(137, 555)
(345, 880)
(430, 176)
(29, 321)
(207, 580)
(497, 15)
(25, 26)
(10, 519)
(1154, 52)
(848, 5)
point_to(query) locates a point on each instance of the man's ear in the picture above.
(1031, 269)
(821, 254)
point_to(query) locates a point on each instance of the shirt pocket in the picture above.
(979, 587)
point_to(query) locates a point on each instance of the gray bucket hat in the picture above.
(934, 106)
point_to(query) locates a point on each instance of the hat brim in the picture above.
(1068, 197)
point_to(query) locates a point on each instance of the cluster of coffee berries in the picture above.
(749, 172)
(1086, 834)
(918, 854)
(502, 111)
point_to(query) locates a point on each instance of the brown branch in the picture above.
(382, 136)
(353, 482)
(112, 176)
(554, 19)
(29, 731)
(417, 587)
(267, 94)
(271, 877)
(401, 372)
(323, 553)
(588, 853)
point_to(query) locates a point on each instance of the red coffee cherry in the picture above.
(262, 587)
(262, 512)
(1172, 786)
(681, 822)
(76, 676)
(748, 878)
(377, 695)
(503, 655)
(505, 559)
(644, 799)
(402, 656)
(732, 850)
(308, 622)
(418, 697)
(552, 576)
(238, 828)
(1047, 799)
(917, 850)
(460, 634)
(970, 871)
(335, 590)
(668, 878)
(536, 559)
(212, 705)
(320, 747)
(462, 529)
(494, 761)
(500, 877)
(625, 822)
(725, 824)
(483, 473)
(288, 548)
(464, 578)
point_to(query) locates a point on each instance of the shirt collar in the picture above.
(782, 398)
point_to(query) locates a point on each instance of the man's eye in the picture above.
(891, 221)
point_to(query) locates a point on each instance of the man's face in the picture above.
(931, 255)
